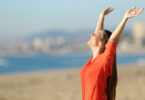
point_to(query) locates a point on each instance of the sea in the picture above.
(31, 63)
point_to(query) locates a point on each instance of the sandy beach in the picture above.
(65, 84)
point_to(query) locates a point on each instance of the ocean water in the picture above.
(10, 64)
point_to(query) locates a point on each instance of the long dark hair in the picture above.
(111, 80)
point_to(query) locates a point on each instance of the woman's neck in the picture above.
(96, 51)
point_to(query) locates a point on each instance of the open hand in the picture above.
(107, 11)
(133, 13)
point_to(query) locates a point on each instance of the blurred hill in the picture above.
(50, 42)
(58, 42)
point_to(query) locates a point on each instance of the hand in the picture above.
(133, 13)
(107, 11)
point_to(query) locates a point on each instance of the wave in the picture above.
(141, 61)
(3, 62)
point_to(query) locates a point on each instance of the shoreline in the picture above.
(63, 69)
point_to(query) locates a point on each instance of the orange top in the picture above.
(94, 74)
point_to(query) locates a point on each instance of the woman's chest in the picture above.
(92, 71)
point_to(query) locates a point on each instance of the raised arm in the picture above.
(129, 14)
(100, 24)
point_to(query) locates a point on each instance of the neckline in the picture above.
(94, 59)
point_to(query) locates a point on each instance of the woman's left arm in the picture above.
(100, 24)
(118, 31)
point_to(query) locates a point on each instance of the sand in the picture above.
(65, 84)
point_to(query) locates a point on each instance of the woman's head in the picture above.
(100, 38)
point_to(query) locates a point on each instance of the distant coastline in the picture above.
(30, 63)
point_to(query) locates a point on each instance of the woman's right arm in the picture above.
(118, 31)
(112, 42)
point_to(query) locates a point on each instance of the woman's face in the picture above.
(96, 38)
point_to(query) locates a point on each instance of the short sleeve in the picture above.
(110, 49)
(109, 55)
(108, 66)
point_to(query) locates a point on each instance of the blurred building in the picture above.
(25, 47)
(134, 42)
(37, 43)
(60, 40)
(48, 41)
(139, 34)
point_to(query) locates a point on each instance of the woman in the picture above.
(99, 75)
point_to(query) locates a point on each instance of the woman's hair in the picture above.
(111, 80)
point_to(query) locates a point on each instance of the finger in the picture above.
(108, 8)
(132, 8)
(137, 14)
(140, 10)
(137, 11)
(111, 9)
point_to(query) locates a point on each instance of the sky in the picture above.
(20, 18)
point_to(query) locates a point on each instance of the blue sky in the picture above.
(19, 18)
